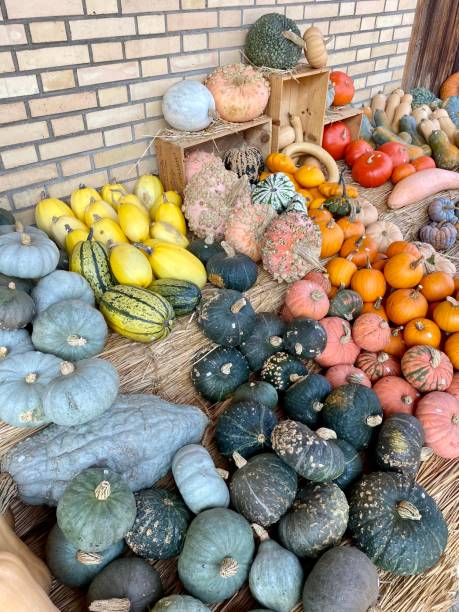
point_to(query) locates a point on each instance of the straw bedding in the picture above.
(164, 368)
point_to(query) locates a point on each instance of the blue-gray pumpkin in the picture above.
(226, 317)
(441, 236)
(257, 391)
(304, 400)
(265, 340)
(27, 254)
(180, 603)
(61, 285)
(17, 308)
(231, 270)
(218, 373)
(443, 209)
(13, 342)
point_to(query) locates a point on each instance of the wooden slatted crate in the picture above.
(349, 115)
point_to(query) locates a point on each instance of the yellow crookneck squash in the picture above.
(172, 261)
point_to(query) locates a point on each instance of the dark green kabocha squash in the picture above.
(262, 488)
(309, 453)
(265, 339)
(218, 373)
(182, 295)
(343, 579)
(346, 304)
(245, 428)
(396, 523)
(17, 308)
(6, 217)
(316, 521)
(353, 464)
(179, 603)
(304, 400)
(226, 317)
(205, 248)
(129, 578)
(73, 567)
(400, 443)
(257, 391)
(160, 525)
(266, 44)
(305, 338)
(281, 370)
(353, 412)
(231, 270)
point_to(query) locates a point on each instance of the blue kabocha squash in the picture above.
(24, 284)
(281, 370)
(265, 339)
(451, 105)
(263, 488)
(13, 342)
(27, 254)
(346, 304)
(73, 567)
(396, 523)
(17, 308)
(231, 270)
(160, 525)
(443, 209)
(245, 428)
(129, 581)
(83, 391)
(205, 248)
(316, 521)
(267, 44)
(218, 373)
(245, 161)
(353, 464)
(71, 330)
(226, 317)
(277, 191)
(200, 483)
(217, 554)
(276, 575)
(23, 380)
(180, 603)
(257, 391)
(96, 510)
(399, 444)
(309, 453)
(305, 338)
(182, 295)
(152, 432)
(61, 285)
(304, 400)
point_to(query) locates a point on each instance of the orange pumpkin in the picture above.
(396, 395)
(402, 246)
(336, 189)
(315, 193)
(315, 203)
(422, 331)
(427, 368)
(361, 249)
(263, 175)
(371, 332)
(456, 283)
(320, 278)
(278, 162)
(452, 349)
(403, 271)
(405, 304)
(340, 271)
(340, 347)
(437, 285)
(351, 228)
(306, 194)
(309, 176)
(401, 171)
(439, 416)
(380, 261)
(369, 283)
(307, 299)
(376, 308)
(320, 215)
(446, 315)
(344, 374)
(377, 365)
(396, 345)
(332, 238)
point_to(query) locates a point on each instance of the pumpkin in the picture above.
(375, 308)
(344, 87)
(437, 286)
(332, 238)
(309, 176)
(188, 106)
(395, 522)
(342, 374)
(27, 253)
(441, 236)
(17, 308)
(23, 379)
(346, 304)
(351, 227)
(73, 567)
(226, 317)
(315, 50)
(131, 581)
(451, 349)
(179, 603)
(160, 525)
(90, 259)
(439, 416)
(219, 373)
(276, 575)
(370, 284)
(13, 342)
(231, 270)
(274, 41)
(340, 348)
(281, 370)
(245, 226)
(171, 261)
(396, 345)
(371, 332)
(204, 248)
(70, 329)
(317, 520)
(320, 278)
(245, 428)
(368, 212)
(427, 368)
(403, 271)
(279, 162)
(372, 169)
(257, 391)
(360, 250)
(48, 208)
(353, 464)
(352, 411)
(276, 191)
(405, 304)
(303, 401)
(340, 271)
(377, 365)
(305, 338)
(380, 261)
(217, 554)
(61, 285)
(446, 315)
(433, 261)
(384, 233)
(402, 171)
(399, 444)
(19, 587)
(305, 298)
(336, 137)
(246, 161)
(264, 340)
(355, 149)
(182, 295)
(442, 209)
(422, 331)
(396, 395)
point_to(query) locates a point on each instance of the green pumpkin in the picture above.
(205, 248)
(310, 454)
(256, 391)
(83, 391)
(180, 603)
(27, 254)
(61, 285)
(182, 295)
(276, 575)
(226, 317)
(304, 400)
(17, 308)
(13, 342)
(245, 428)
(22, 284)
(346, 304)
(263, 488)
(6, 217)
(316, 521)
(343, 578)
(396, 523)
(353, 464)
(267, 46)
(399, 444)
(132, 579)
(277, 190)
(73, 567)
(218, 373)
(231, 270)
(264, 341)
(305, 338)
(71, 330)
(217, 554)
(281, 370)
(96, 509)
(342, 205)
(353, 412)
(160, 525)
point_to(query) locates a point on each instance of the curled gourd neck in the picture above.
(229, 567)
(8, 492)
(238, 305)
(110, 605)
(66, 368)
(260, 532)
(346, 337)
(239, 460)
(326, 434)
(76, 340)
(87, 558)
(229, 251)
(374, 420)
(103, 490)
(408, 511)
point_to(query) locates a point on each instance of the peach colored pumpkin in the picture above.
(344, 374)
(427, 368)
(439, 415)
(321, 278)
(396, 395)
(246, 225)
(454, 386)
(371, 332)
(307, 299)
(340, 348)
(377, 365)
(285, 314)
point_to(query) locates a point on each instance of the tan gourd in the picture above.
(404, 108)
(392, 103)
(444, 120)
(286, 136)
(296, 124)
(427, 126)
(419, 114)
(378, 101)
(19, 592)
(399, 92)
(300, 149)
(456, 138)
(315, 50)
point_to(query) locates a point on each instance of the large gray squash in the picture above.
(137, 437)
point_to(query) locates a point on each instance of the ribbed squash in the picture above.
(165, 232)
(170, 213)
(171, 261)
(49, 208)
(81, 198)
(112, 193)
(61, 226)
(137, 313)
(148, 188)
(168, 196)
(131, 198)
(73, 238)
(99, 209)
(90, 259)
(133, 222)
(108, 232)
(130, 266)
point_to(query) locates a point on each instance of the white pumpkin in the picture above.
(384, 233)
(188, 106)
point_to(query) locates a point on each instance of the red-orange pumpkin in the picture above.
(360, 249)
(369, 283)
(405, 304)
(321, 278)
(371, 332)
(377, 365)
(345, 374)
(437, 285)
(340, 347)
(452, 349)
(446, 315)
(439, 415)
(403, 271)
(396, 345)
(307, 299)
(376, 308)
(422, 331)
(427, 368)
(396, 395)
(454, 386)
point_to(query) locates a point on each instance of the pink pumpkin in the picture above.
(321, 278)
(453, 389)
(439, 415)
(396, 395)
(340, 347)
(371, 332)
(307, 299)
(345, 374)
(196, 160)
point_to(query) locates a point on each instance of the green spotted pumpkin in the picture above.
(277, 190)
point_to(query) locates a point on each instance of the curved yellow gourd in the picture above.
(133, 222)
(61, 226)
(112, 193)
(165, 232)
(81, 198)
(170, 213)
(130, 266)
(48, 208)
(108, 232)
(168, 196)
(171, 261)
(100, 209)
(74, 237)
(131, 198)
(147, 188)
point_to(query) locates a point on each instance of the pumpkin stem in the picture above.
(103, 490)
(317, 406)
(260, 532)
(378, 303)
(226, 368)
(76, 340)
(414, 264)
(407, 510)
(222, 473)
(239, 460)
(368, 264)
(91, 234)
(298, 348)
(229, 567)
(382, 357)
(294, 377)
(66, 368)
(110, 605)
(238, 305)
(12, 285)
(452, 301)
(8, 492)
(230, 252)
(275, 341)
(415, 293)
(316, 295)
(346, 337)
(407, 399)
(435, 356)
(326, 434)
(419, 325)
(3, 352)
(342, 183)
(374, 420)
(455, 419)
(426, 453)
(209, 240)
(88, 558)
(31, 377)
(18, 227)
(261, 438)
(26, 240)
(294, 38)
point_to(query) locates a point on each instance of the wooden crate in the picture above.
(171, 155)
(352, 117)
(302, 92)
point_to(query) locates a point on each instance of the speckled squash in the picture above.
(14, 342)
(231, 269)
(399, 444)
(353, 464)
(303, 401)
(226, 317)
(281, 370)
(265, 340)
(179, 603)
(305, 338)
(217, 374)
(256, 391)
(346, 304)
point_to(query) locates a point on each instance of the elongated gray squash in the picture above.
(137, 437)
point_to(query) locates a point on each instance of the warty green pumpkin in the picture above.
(305, 338)
(281, 370)
(255, 391)
(218, 373)
(399, 444)
(182, 295)
(266, 44)
(231, 270)
(27, 255)
(61, 285)
(13, 342)
(180, 603)
(90, 258)
(226, 317)
(17, 308)
(265, 340)
(304, 400)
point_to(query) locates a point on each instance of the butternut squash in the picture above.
(404, 108)
(427, 126)
(419, 114)
(456, 138)
(378, 102)
(380, 119)
(445, 154)
(445, 123)
(19, 592)
(420, 185)
(393, 101)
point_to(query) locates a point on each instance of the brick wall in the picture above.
(81, 80)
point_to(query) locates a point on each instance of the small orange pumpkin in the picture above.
(452, 349)
(376, 308)
(278, 162)
(404, 271)
(446, 315)
(309, 176)
(369, 283)
(402, 246)
(315, 203)
(437, 285)
(351, 228)
(332, 238)
(336, 189)
(379, 261)
(405, 304)
(320, 215)
(371, 332)
(396, 345)
(361, 249)
(340, 271)
(422, 331)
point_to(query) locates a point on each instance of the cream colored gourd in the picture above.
(18, 590)
(171, 261)
(378, 102)
(404, 108)
(419, 114)
(130, 266)
(384, 233)
(286, 136)
(368, 213)
(296, 150)
(81, 198)
(61, 226)
(445, 122)
(297, 126)
(315, 50)
(47, 209)
(131, 198)
(427, 126)
(392, 103)
(133, 222)
(100, 209)
(108, 232)
(165, 232)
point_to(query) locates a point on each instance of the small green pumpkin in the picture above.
(96, 509)
(353, 464)
(182, 295)
(316, 521)
(6, 217)
(22, 284)
(27, 255)
(265, 339)
(217, 374)
(304, 400)
(399, 444)
(255, 391)
(205, 248)
(305, 338)
(13, 342)
(277, 190)
(160, 525)
(342, 205)
(281, 370)
(226, 317)
(231, 270)
(346, 304)
(180, 603)
(17, 308)
(61, 285)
